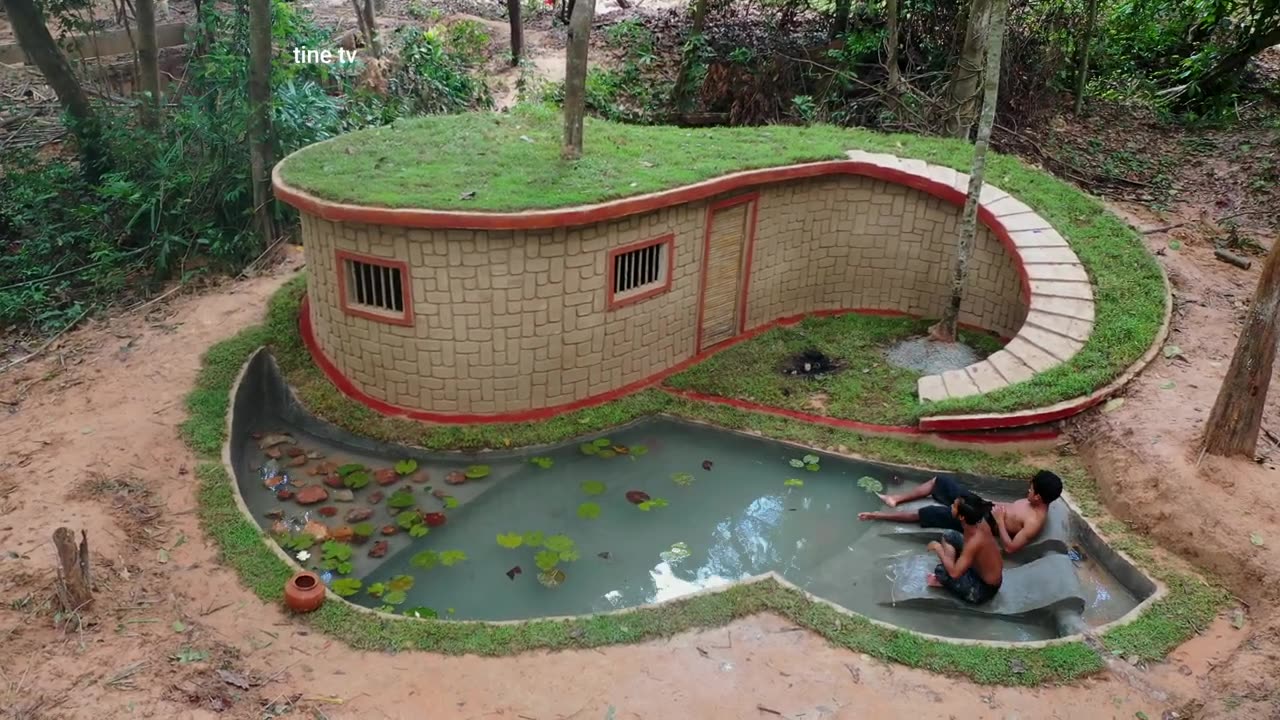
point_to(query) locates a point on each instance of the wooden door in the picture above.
(728, 228)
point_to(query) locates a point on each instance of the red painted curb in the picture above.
(348, 388)
(862, 427)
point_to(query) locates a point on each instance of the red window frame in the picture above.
(630, 298)
(367, 312)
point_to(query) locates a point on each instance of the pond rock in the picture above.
(420, 477)
(324, 468)
(273, 453)
(284, 494)
(389, 529)
(386, 476)
(375, 497)
(379, 549)
(455, 477)
(344, 495)
(298, 461)
(343, 534)
(358, 515)
(312, 494)
(294, 451)
(273, 439)
(316, 529)
(333, 480)
(328, 511)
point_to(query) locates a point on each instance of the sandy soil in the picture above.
(1146, 457)
(91, 442)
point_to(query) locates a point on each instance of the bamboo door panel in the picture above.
(723, 268)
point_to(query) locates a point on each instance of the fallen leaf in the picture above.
(1172, 351)
(1167, 385)
(179, 626)
(706, 464)
(513, 572)
(1175, 244)
(163, 556)
(1256, 539)
(468, 195)
(1112, 405)
(233, 679)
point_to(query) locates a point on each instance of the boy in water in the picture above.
(971, 566)
(1016, 523)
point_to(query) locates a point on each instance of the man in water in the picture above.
(1016, 523)
(971, 566)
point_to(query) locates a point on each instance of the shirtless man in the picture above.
(1017, 523)
(971, 566)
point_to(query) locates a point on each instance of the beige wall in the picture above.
(516, 320)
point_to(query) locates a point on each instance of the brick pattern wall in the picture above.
(515, 320)
(853, 242)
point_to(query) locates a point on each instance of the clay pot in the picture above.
(304, 592)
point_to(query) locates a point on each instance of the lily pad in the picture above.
(376, 590)
(588, 449)
(510, 541)
(349, 468)
(546, 559)
(406, 467)
(639, 450)
(533, 538)
(593, 487)
(813, 467)
(395, 597)
(606, 453)
(682, 478)
(421, 612)
(559, 543)
(400, 582)
(602, 442)
(543, 462)
(648, 505)
(870, 484)
(810, 459)
(401, 499)
(793, 482)
(356, 480)
(418, 531)
(346, 587)
(426, 559)
(475, 472)
(795, 463)
(588, 511)
(449, 558)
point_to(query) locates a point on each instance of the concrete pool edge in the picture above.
(785, 588)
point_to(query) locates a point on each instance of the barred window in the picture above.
(640, 269)
(377, 287)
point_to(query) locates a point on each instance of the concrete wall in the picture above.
(508, 321)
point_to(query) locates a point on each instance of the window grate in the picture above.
(375, 286)
(639, 269)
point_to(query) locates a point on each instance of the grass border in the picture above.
(1189, 605)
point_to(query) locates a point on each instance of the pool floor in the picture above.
(735, 507)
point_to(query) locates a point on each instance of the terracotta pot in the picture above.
(304, 592)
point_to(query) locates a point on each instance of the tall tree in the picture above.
(1236, 417)
(260, 145)
(945, 330)
(33, 35)
(148, 59)
(840, 19)
(684, 77)
(575, 77)
(891, 42)
(966, 74)
(1082, 60)
(517, 31)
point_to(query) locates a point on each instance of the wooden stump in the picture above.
(75, 587)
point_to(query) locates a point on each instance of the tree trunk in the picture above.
(75, 584)
(148, 60)
(891, 42)
(517, 31)
(1236, 417)
(29, 26)
(966, 75)
(683, 89)
(1229, 66)
(945, 330)
(575, 77)
(260, 150)
(1082, 64)
(840, 20)
(371, 22)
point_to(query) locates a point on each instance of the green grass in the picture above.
(1189, 607)
(869, 389)
(510, 162)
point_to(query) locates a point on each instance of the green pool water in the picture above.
(737, 519)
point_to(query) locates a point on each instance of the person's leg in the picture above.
(903, 516)
(939, 516)
(922, 490)
(946, 490)
(953, 545)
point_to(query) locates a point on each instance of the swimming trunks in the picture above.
(969, 587)
(945, 491)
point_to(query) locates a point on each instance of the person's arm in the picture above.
(958, 567)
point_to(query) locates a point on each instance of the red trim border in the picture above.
(405, 319)
(611, 301)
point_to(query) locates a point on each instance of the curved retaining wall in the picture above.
(510, 316)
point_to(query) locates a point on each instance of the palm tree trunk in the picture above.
(945, 330)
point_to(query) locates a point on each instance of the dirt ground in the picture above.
(92, 426)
